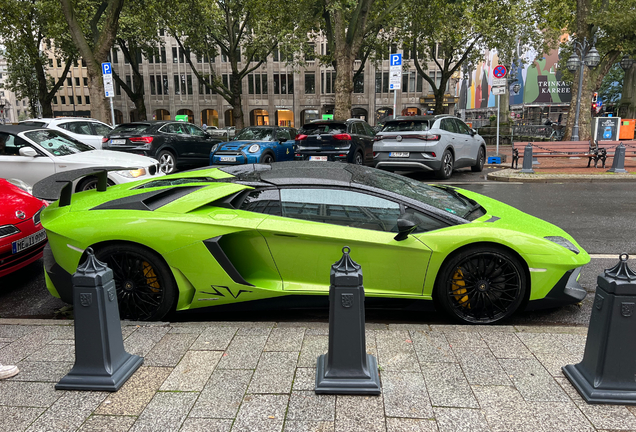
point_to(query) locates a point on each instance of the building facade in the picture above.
(275, 93)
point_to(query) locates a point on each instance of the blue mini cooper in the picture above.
(256, 144)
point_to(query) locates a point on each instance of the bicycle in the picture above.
(557, 132)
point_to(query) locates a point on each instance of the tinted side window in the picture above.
(340, 207)
(462, 127)
(193, 130)
(81, 128)
(283, 134)
(449, 125)
(368, 129)
(424, 222)
(100, 129)
(262, 201)
(10, 145)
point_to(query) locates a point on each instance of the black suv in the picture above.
(337, 141)
(174, 144)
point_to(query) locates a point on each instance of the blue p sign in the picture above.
(396, 59)
(107, 69)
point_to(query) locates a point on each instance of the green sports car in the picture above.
(270, 233)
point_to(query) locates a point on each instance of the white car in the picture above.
(86, 130)
(228, 132)
(31, 153)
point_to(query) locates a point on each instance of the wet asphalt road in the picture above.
(599, 215)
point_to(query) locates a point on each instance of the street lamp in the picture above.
(626, 63)
(591, 58)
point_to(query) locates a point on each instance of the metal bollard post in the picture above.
(347, 368)
(527, 160)
(618, 164)
(608, 370)
(101, 363)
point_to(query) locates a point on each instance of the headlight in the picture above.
(133, 173)
(561, 241)
(254, 148)
(22, 185)
(214, 147)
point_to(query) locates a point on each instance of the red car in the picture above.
(22, 237)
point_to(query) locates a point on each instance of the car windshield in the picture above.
(439, 197)
(130, 129)
(406, 125)
(323, 128)
(255, 134)
(57, 143)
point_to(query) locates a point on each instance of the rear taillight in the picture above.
(377, 138)
(301, 137)
(429, 137)
(145, 140)
(104, 140)
(342, 137)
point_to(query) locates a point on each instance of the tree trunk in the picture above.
(237, 104)
(439, 99)
(344, 84)
(628, 95)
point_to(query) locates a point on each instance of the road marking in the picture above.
(605, 256)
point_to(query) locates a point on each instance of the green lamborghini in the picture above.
(269, 233)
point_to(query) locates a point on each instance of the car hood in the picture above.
(14, 199)
(107, 157)
(240, 145)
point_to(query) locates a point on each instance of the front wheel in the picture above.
(481, 159)
(90, 183)
(481, 285)
(167, 162)
(146, 290)
(448, 164)
(267, 158)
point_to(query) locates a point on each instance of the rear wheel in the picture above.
(167, 162)
(448, 163)
(481, 285)
(481, 159)
(358, 159)
(146, 290)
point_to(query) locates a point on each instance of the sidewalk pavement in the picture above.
(259, 376)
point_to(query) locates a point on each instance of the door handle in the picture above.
(285, 235)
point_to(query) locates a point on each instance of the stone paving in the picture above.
(260, 376)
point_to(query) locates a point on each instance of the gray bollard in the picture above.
(618, 164)
(608, 370)
(347, 368)
(527, 160)
(101, 363)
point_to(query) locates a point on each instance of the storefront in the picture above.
(284, 117)
(259, 117)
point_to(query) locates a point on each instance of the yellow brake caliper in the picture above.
(151, 277)
(459, 289)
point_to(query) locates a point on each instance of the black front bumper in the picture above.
(62, 280)
(567, 291)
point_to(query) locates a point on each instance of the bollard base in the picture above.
(369, 385)
(92, 380)
(617, 170)
(597, 395)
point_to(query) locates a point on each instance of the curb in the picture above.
(514, 175)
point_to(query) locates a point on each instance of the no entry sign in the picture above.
(499, 71)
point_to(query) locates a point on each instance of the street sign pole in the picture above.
(107, 75)
(498, 104)
(499, 73)
(394, 102)
(395, 74)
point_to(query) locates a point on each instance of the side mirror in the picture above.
(405, 227)
(28, 151)
(473, 132)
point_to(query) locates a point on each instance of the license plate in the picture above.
(27, 242)
(228, 158)
(118, 141)
(318, 158)
(399, 154)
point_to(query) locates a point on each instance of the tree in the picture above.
(93, 25)
(353, 28)
(245, 32)
(612, 86)
(25, 27)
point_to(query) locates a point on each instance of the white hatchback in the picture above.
(31, 154)
(86, 130)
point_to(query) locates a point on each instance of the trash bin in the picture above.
(627, 129)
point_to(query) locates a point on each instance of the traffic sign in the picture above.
(396, 60)
(109, 89)
(395, 78)
(498, 90)
(107, 69)
(499, 71)
(496, 82)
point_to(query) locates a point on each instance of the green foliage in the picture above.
(612, 85)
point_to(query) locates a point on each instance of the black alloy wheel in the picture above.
(481, 160)
(267, 158)
(146, 290)
(482, 285)
(358, 159)
(448, 163)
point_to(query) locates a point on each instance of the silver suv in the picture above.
(438, 143)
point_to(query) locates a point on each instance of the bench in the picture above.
(610, 148)
(569, 149)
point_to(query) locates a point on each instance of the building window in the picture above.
(69, 82)
(419, 83)
(75, 63)
(176, 85)
(328, 80)
(163, 55)
(115, 59)
(50, 62)
(165, 84)
(117, 88)
(311, 52)
(189, 82)
(63, 100)
(162, 32)
(128, 82)
(59, 63)
(175, 57)
(54, 100)
(283, 84)
(257, 83)
(310, 83)
(79, 100)
(153, 88)
(83, 63)
(358, 83)
(87, 99)
(77, 81)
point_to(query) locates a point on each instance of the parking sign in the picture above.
(107, 69)
(396, 59)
